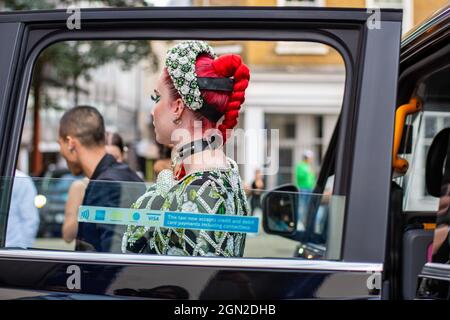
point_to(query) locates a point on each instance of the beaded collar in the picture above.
(190, 148)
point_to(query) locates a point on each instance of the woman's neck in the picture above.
(203, 160)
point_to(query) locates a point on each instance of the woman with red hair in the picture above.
(198, 97)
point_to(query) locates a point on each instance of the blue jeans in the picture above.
(303, 203)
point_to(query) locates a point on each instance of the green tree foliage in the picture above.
(65, 63)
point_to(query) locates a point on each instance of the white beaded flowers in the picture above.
(180, 64)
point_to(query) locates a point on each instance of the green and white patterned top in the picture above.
(215, 191)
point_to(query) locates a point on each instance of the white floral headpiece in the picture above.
(180, 64)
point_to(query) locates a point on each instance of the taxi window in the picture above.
(189, 220)
(424, 128)
(97, 173)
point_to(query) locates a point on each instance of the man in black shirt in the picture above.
(82, 144)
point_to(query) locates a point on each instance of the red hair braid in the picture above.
(227, 103)
(231, 65)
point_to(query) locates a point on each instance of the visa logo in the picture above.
(153, 216)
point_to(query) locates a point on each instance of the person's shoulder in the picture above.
(24, 179)
(119, 172)
(21, 174)
(201, 177)
(204, 189)
(211, 182)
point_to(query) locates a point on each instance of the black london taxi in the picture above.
(369, 238)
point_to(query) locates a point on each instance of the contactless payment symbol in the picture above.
(100, 215)
(85, 214)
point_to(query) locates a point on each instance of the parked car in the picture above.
(378, 240)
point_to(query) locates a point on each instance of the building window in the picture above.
(303, 3)
(301, 48)
(406, 5)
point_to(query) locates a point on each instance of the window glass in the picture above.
(213, 221)
(97, 160)
(426, 125)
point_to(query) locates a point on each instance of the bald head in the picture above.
(84, 123)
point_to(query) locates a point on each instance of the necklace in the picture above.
(212, 142)
(199, 145)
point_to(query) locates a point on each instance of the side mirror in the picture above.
(280, 207)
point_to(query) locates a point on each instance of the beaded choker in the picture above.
(212, 142)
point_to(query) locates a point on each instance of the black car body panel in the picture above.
(363, 153)
(208, 278)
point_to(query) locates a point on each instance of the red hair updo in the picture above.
(227, 103)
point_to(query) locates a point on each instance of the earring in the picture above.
(176, 164)
(177, 121)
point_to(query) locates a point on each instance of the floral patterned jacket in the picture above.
(216, 191)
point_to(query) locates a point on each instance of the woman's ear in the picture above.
(177, 107)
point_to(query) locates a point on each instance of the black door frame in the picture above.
(363, 160)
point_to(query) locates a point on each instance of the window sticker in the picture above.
(168, 219)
